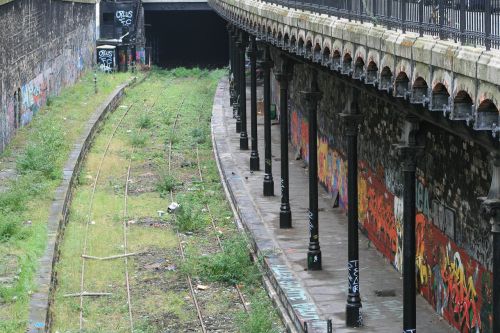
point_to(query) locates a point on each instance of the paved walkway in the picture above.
(309, 296)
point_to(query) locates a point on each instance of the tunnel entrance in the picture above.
(189, 38)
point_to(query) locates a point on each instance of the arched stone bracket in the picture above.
(446, 68)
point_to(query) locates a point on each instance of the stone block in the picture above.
(488, 67)
(373, 39)
(388, 41)
(403, 46)
(466, 61)
(356, 33)
(338, 29)
(443, 53)
(422, 50)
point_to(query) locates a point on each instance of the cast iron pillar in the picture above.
(408, 152)
(228, 27)
(283, 78)
(254, 155)
(231, 62)
(267, 64)
(311, 98)
(237, 104)
(234, 65)
(352, 121)
(490, 210)
(242, 47)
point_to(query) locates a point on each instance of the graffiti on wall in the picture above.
(105, 60)
(61, 69)
(140, 56)
(33, 97)
(457, 286)
(124, 17)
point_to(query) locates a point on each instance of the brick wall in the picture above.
(44, 46)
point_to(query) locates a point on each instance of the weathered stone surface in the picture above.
(436, 61)
(44, 46)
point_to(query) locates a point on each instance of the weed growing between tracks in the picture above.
(35, 158)
(160, 296)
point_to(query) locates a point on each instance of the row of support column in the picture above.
(407, 151)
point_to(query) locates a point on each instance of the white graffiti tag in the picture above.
(105, 60)
(124, 17)
(353, 275)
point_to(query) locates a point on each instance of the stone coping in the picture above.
(296, 304)
(386, 48)
(40, 312)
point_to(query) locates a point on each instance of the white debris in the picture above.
(172, 207)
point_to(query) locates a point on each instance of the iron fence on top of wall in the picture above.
(470, 22)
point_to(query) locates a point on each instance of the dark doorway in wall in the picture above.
(17, 108)
(189, 38)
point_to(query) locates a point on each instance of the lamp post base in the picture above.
(243, 141)
(254, 161)
(268, 186)
(285, 216)
(314, 260)
(353, 316)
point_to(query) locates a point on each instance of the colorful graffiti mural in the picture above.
(33, 97)
(58, 71)
(458, 287)
(140, 57)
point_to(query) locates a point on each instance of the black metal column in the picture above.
(283, 78)
(232, 90)
(490, 210)
(351, 121)
(268, 172)
(254, 155)
(238, 81)
(311, 97)
(230, 44)
(408, 152)
(242, 47)
(495, 229)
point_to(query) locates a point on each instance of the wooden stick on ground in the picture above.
(85, 293)
(111, 257)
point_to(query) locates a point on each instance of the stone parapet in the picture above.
(425, 70)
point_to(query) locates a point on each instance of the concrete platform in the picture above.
(309, 297)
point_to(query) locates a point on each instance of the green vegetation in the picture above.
(160, 296)
(232, 266)
(166, 183)
(144, 121)
(138, 139)
(37, 153)
(262, 317)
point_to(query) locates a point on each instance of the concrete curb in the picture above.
(40, 312)
(295, 303)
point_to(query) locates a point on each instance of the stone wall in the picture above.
(44, 46)
(453, 243)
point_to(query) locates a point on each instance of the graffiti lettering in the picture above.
(448, 276)
(443, 218)
(422, 198)
(105, 59)
(353, 276)
(124, 17)
(295, 293)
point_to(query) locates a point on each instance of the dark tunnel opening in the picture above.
(189, 38)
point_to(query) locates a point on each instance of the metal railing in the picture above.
(470, 22)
